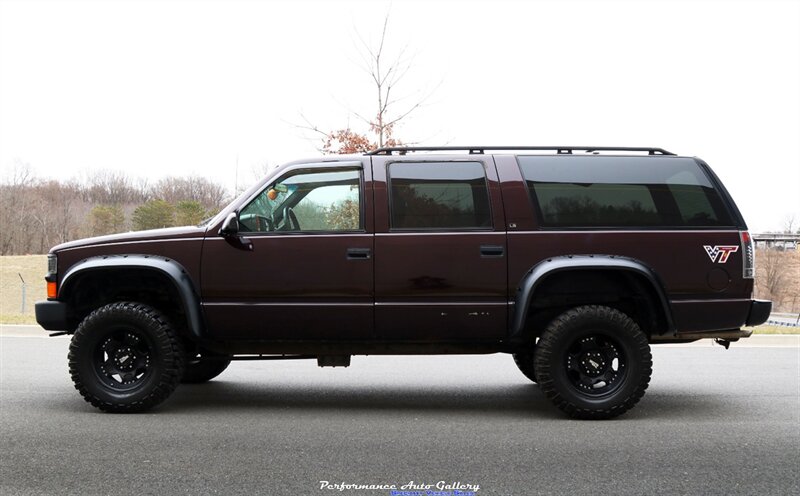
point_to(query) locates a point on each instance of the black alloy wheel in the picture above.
(125, 357)
(593, 362)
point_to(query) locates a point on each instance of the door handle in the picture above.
(359, 253)
(492, 251)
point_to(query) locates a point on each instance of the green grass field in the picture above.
(33, 267)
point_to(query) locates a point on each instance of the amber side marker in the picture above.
(51, 290)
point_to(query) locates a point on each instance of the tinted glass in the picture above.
(306, 201)
(604, 191)
(439, 195)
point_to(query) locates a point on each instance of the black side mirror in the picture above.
(230, 227)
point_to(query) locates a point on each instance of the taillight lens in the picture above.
(748, 256)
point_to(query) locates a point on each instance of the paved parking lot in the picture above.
(712, 422)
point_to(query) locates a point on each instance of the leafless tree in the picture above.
(386, 72)
(771, 274)
(175, 189)
(789, 224)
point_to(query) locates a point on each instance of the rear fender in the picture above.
(541, 271)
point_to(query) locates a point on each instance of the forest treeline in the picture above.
(38, 213)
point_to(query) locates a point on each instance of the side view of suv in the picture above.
(574, 260)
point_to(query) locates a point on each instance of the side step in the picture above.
(333, 360)
(730, 335)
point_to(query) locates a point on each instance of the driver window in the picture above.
(307, 201)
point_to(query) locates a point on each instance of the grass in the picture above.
(33, 267)
(772, 329)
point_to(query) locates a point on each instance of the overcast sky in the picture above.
(189, 87)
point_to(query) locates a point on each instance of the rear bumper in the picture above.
(52, 315)
(759, 312)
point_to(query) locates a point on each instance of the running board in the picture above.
(730, 335)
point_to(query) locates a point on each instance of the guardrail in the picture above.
(784, 319)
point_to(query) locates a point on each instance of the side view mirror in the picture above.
(230, 227)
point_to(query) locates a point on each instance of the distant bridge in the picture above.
(784, 241)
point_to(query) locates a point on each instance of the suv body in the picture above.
(572, 262)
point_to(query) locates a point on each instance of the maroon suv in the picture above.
(572, 259)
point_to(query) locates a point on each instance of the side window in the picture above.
(607, 191)
(438, 195)
(307, 201)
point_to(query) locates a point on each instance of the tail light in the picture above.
(748, 256)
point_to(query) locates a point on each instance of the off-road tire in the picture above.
(124, 358)
(574, 357)
(199, 370)
(524, 363)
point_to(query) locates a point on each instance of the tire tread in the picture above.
(163, 335)
(554, 332)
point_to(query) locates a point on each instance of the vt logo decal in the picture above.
(720, 252)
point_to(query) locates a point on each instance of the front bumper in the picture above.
(759, 312)
(52, 315)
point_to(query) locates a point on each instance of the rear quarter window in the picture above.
(607, 191)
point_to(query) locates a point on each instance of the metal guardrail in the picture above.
(776, 237)
(784, 319)
(781, 323)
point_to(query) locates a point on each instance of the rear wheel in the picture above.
(125, 357)
(593, 362)
(524, 362)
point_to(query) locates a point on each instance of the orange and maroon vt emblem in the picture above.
(720, 254)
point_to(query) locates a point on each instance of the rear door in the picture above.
(440, 250)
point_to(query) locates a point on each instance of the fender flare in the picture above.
(167, 267)
(545, 268)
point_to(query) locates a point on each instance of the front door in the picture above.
(309, 275)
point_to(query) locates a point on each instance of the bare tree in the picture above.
(386, 72)
(176, 189)
(771, 274)
(16, 201)
(789, 224)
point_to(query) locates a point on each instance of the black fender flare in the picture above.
(545, 268)
(167, 267)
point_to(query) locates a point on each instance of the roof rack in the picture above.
(480, 150)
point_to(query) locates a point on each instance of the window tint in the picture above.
(439, 195)
(307, 201)
(622, 192)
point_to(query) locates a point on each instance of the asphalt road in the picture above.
(712, 422)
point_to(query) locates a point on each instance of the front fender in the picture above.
(167, 267)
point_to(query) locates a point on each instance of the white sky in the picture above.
(178, 87)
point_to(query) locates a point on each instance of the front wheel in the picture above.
(593, 362)
(125, 357)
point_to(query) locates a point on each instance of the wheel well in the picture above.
(98, 288)
(629, 292)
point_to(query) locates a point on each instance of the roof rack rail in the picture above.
(480, 150)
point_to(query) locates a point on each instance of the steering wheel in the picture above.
(256, 223)
(263, 224)
(291, 218)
